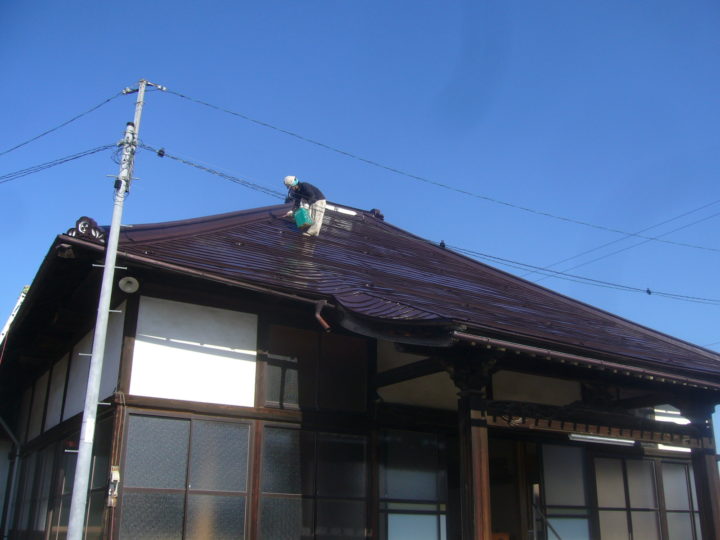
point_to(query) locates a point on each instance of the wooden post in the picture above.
(475, 474)
(481, 475)
(707, 485)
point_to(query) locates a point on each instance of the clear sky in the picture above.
(522, 118)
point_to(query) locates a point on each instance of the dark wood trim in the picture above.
(707, 485)
(421, 368)
(257, 433)
(467, 522)
(132, 310)
(480, 477)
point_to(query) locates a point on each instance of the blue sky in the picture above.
(598, 112)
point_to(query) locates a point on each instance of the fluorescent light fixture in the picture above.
(601, 440)
(673, 448)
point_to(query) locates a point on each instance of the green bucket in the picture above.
(302, 218)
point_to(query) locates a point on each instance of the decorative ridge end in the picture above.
(87, 229)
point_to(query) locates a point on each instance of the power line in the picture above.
(585, 280)
(37, 168)
(434, 182)
(639, 243)
(257, 187)
(634, 245)
(499, 260)
(76, 117)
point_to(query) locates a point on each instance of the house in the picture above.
(364, 384)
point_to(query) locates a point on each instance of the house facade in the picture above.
(365, 384)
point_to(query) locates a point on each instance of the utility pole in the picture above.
(76, 521)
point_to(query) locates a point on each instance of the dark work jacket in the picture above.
(305, 192)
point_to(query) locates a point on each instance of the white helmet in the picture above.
(290, 181)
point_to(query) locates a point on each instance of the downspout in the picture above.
(319, 305)
(13, 477)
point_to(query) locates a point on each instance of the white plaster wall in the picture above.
(21, 428)
(80, 365)
(55, 397)
(38, 406)
(5, 446)
(436, 391)
(194, 353)
(514, 386)
(77, 377)
(388, 357)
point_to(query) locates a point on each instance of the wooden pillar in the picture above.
(707, 485)
(475, 474)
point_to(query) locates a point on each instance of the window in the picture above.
(313, 485)
(413, 487)
(310, 370)
(184, 479)
(628, 498)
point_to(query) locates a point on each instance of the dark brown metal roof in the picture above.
(377, 271)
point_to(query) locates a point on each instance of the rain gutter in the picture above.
(319, 304)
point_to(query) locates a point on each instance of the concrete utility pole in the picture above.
(76, 522)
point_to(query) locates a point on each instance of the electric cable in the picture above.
(434, 182)
(76, 117)
(161, 152)
(257, 187)
(582, 279)
(591, 250)
(41, 167)
(637, 245)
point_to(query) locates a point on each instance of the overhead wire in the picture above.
(582, 279)
(434, 182)
(246, 183)
(73, 119)
(706, 218)
(41, 167)
(617, 240)
(161, 152)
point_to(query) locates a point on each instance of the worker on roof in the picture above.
(304, 193)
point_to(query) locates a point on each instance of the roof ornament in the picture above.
(87, 229)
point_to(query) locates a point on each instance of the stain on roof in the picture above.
(381, 272)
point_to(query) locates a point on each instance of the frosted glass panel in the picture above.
(675, 486)
(411, 467)
(157, 452)
(340, 520)
(152, 516)
(564, 475)
(57, 389)
(216, 518)
(341, 466)
(641, 483)
(613, 525)
(412, 527)
(569, 528)
(645, 526)
(679, 526)
(281, 519)
(281, 461)
(610, 485)
(219, 456)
